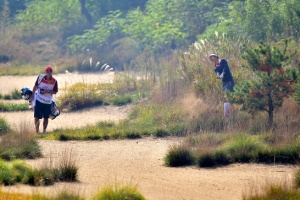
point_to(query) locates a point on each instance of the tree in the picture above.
(274, 79)
(5, 16)
(85, 12)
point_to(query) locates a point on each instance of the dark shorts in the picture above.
(228, 86)
(42, 110)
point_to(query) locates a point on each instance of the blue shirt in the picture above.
(223, 67)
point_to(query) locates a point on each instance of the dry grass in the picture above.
(20, 143)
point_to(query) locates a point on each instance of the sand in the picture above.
(138, 162)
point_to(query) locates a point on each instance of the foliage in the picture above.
(119, 192)
(274, 79)
(4, 126)
(179, 155)
(13, 106)
(5, 20)
(48, 14)
(103, 30)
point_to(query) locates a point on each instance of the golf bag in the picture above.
(26, 94)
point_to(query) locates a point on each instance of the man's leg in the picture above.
(37, 124)
(45, 124)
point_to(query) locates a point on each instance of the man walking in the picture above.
(45, 86)
(223, 72)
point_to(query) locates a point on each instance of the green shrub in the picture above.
(38, 177)
(20, 169)
(4, 126)
(119, 192)
(179, 155)
(206, 159)
(161, 133)
(6, 175)
(221, 157)
(121, 100)
(243, 148)
(287, 154)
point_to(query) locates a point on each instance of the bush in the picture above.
(119, 192)
(20, 170)
(121, 100)
(243, 148)
(4, 126)
(206, 159)
(6, 176)
(179, 155)
(221, 157)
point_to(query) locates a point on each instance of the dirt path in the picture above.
(140, 162)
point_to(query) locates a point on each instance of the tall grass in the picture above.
(15, 94)
(4, 126)
(20, 143)
(13, 106)
(119, 192)
(125, 88)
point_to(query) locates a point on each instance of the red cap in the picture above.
(48, 68)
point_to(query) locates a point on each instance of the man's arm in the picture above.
(54, 91)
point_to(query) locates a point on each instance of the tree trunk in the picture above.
(86, 13)
(270, 105)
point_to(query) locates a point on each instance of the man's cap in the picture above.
(213, 55)
(48, 68)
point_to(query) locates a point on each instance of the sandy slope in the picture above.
(140, 162)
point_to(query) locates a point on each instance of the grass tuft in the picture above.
(276, 192)
(119, 192)
(4, 126)
(179, 155)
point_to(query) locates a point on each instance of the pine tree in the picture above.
(274, 79)
(5, 19)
